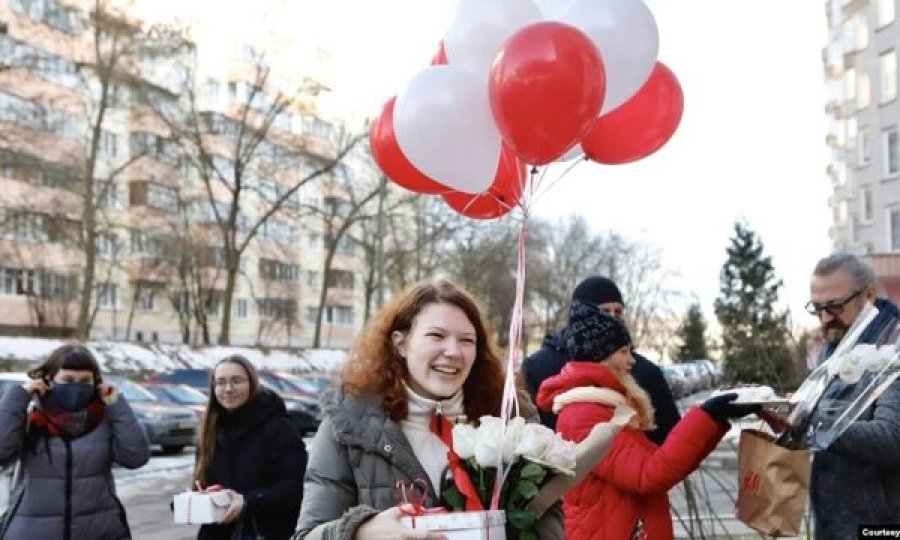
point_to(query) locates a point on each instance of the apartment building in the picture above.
(861, 73)
(162, 207)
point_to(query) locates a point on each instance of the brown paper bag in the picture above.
(773, 485)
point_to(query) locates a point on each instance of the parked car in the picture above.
(676, 380)
(314, 385)
(169, 425)
(195, 378)
(180, 394)
(10, 379)
(303, 408)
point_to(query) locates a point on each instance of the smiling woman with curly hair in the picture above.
(426, 357)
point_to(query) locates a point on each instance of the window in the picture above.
(109, 195)
(312, 314)
(860, 31)
(885, 12)
(863, 89)
(109, 143)
(893, 219)
(888, 64)
(240, 308)
(145, 298)
(107, 296)
(107, 245)
(342, 315)
(341, 279)
(271, 269)
(863, 155)
(867, 206)
(212, 306)
(162, 197)
(313, 279)
(850, 84)
(278, 308)
(891, 152)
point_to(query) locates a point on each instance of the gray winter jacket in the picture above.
(355, 460)
(70, 492)
(857, 479)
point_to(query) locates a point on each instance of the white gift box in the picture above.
(462, 525)
(194, 507)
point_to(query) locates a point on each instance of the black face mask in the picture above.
(71, 397)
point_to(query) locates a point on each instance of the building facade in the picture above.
(168, 141)
(861, 73)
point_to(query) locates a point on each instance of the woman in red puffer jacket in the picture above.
(625, 495)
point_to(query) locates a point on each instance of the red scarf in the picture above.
(56, 422)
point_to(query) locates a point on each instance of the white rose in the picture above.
(511, 439)
(561, 456)
(464, 440)
(536, 440)
(489, 442)
(835, 363)
(851, 371)
(886, 355)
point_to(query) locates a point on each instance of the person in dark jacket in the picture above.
(624, 496)
(65, 447)
(856, 480)
(549, 360)
(249, 447)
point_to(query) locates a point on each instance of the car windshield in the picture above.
(186, 394)
(313, 385)
(133, 392)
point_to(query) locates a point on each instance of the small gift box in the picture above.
(201, 507)
(483, 525)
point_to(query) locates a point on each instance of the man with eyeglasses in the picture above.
(857, 479)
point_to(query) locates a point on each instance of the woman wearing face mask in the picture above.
(425, 358)
(65, 448)
(250, 448)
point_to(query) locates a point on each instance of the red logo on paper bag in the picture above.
(752, 481)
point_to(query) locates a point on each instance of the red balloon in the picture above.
(440, 57)
(546, 87)
(390, 158)
(500, 198)
(641, 125)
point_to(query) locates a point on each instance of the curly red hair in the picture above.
(376, 368)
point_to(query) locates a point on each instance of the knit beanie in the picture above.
(597, 290)
(592, 334)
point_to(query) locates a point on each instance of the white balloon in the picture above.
(625, 33)
(444, 127)
(480, 28)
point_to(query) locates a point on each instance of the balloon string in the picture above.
(556, 180)
(509, 405)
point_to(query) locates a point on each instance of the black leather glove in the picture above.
(721, 407)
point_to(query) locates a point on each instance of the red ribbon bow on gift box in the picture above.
(415, 494)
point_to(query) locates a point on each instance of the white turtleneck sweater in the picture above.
(429, 449)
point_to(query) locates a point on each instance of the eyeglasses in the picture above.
(234, 382)
(834, 308)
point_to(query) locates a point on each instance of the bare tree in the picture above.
(237, 157)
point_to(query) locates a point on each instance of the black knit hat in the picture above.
(597, 290)
(592, 334)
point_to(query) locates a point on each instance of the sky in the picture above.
(751, 144)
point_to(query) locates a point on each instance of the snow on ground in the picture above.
(136, 357)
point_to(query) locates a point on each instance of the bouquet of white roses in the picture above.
(532, 453)
(837, 392)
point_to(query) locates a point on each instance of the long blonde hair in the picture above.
(207, 440)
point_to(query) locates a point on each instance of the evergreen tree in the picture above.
(692, 334)
(754, 335)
